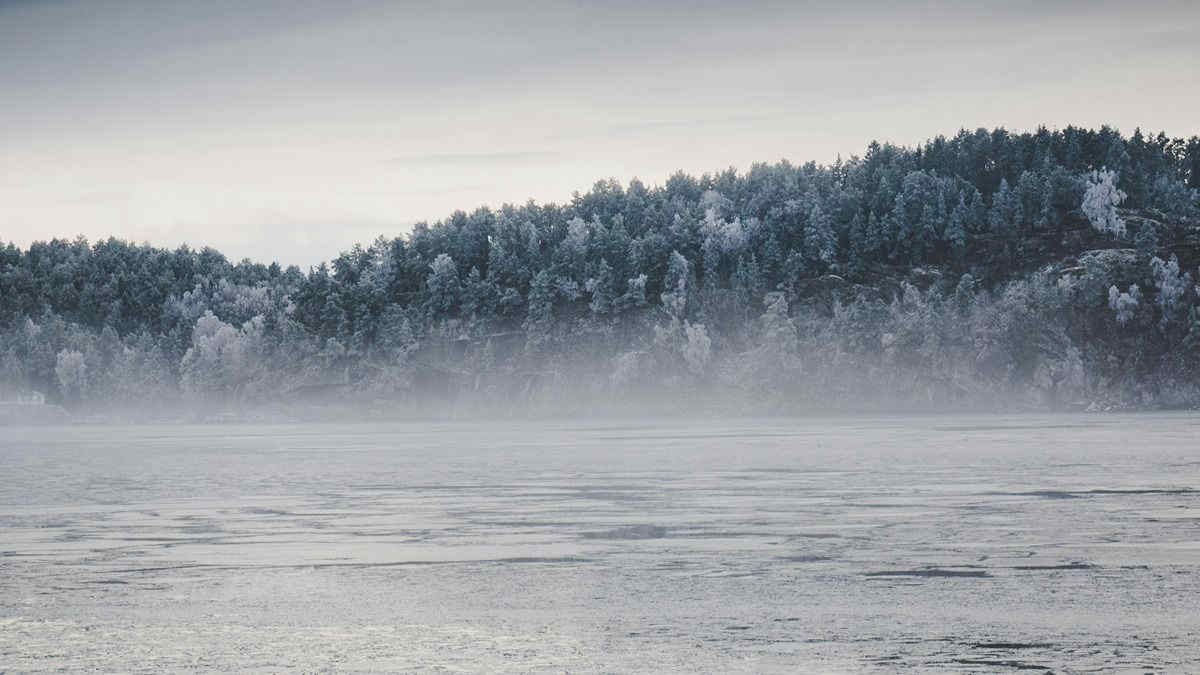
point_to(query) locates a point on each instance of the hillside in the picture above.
(990, 270)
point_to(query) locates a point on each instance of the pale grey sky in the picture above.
(291, 129)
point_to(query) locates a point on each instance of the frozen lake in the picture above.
(1069, 543)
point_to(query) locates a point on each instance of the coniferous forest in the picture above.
(991, 270)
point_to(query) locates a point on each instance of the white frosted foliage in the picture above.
(1124, 304)
(1101, 200)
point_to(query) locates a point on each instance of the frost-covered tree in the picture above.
(1124, 305)
(1174, 288)
(478, 295)
(13, 376)
(964, 293)
(539, 319)
(601, 289)
(1004, 220)
(575, 243)
(716, 202)
(635, 294)
(1100, 203)
(443, 285)
(395, 346)
(71, 371)
(222, 358)
(1172, 197)
(820, 241)
(778, 331)
(723, 240)
(956, 230)
(697, 347)
(675, 286)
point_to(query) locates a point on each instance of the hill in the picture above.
(1039, 270)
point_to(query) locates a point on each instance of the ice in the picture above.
(1063, 543)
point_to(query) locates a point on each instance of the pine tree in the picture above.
(675, 286)
(820, 242)
(539, 318)
(601, 288)
(956, 232)
(443, 286)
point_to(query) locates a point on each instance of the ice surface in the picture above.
(958, 544)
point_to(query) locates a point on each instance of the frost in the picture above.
(1124, 304)
(1100, 203)
(724, 236)
(1172, 287)
(674, 295)
(71, 372)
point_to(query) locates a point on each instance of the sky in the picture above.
(290, 130)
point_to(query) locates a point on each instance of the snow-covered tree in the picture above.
(675, 286)
(1100, 203)
(1124, 304)
(71, 372)
(575, 243)
(723, 239)
(539, 320)
(1173, 287)
(601, 288)
(820, 241)
(223, 359)
(635, 293)
(443, 285)
(956, 230)
(716, 202)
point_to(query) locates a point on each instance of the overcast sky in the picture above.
(290, 129)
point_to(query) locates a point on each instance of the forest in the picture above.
(991, 270)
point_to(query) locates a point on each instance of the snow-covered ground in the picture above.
(955, 543)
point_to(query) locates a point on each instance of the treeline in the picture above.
(1041, 269)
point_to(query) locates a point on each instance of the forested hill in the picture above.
(995, 270)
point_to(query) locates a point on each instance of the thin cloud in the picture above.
(655, 125)
(467, 159)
